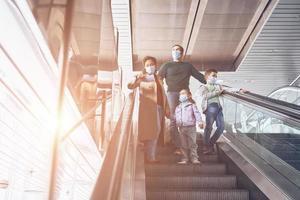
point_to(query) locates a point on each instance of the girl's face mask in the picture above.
(183, 98)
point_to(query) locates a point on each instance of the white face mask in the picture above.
(176, 55)
(212, 80)
(150, 69)
(183, 98)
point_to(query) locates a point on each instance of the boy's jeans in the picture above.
(188, 142)
(213, 114)
(173, 100)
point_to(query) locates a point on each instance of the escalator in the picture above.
(257, 158)
(271, 124)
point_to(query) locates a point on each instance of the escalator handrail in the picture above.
(277, 101)
(109, 179)
(266, 104)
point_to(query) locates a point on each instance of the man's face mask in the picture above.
(150, 69)
(176, 54)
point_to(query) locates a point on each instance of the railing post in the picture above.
(60, 101)
(102, 122)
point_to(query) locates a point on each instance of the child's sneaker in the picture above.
(209, 151)
(196, 162)
(183, 162)
(178, 152)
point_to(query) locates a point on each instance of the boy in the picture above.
(212, 109)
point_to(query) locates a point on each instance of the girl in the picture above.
(186, 117)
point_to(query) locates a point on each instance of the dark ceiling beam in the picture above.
(256, 28)
(259, 11)
(194, 21)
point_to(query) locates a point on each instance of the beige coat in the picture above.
(148, 108)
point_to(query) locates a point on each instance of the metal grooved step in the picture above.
(226, 182)
(168, 180)
(176, 169)
(199, 195)
(174, 159)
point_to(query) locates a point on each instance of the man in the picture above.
(177, 75)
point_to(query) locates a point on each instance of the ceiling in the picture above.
(255, 43)
(274, 57)
(213, 32)
(92, 29)
(94, 34)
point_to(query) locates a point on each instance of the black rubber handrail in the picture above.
(280, 102)
(270, 104)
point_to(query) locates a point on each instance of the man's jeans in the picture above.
(173, 100)
(213, 114)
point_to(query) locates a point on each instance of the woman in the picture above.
(153, 106)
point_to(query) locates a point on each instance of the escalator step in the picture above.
(225, 182)
(169, 150)
(205, 194)
(174, 159)
(177, 169)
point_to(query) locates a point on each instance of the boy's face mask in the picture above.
(176, 55)
(212, 80)
(183, 98)
(150, 69)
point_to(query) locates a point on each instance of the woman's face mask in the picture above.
(183, 98)
(176, 55)
(150, 69)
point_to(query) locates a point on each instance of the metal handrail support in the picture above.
(295, 80)
(78, 123)
(87, 115)
(100, 136)
(109, 180)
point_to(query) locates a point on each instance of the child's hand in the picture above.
(243, 91)
(168, 114)
(201, 125)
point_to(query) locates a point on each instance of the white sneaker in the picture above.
(196, 162)
(183, 162)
